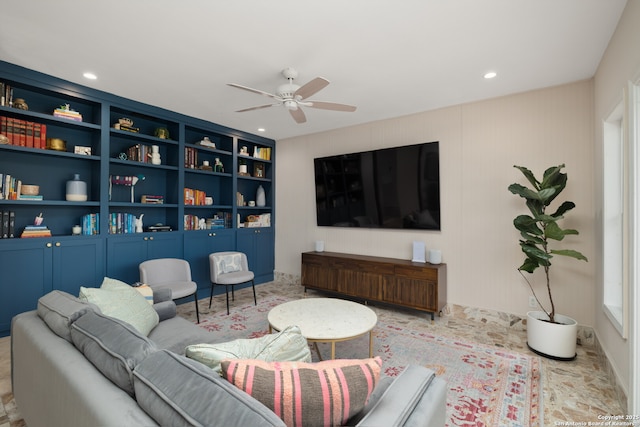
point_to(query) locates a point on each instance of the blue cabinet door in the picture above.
(257, 243)
(78, 261)
(26, 276)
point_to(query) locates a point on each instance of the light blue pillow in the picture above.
(229, 263)
(123, 303)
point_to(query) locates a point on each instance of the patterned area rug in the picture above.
(487, 385)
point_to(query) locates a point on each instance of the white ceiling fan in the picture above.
(293, 96)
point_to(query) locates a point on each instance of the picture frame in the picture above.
(258, 170)
(79, 149)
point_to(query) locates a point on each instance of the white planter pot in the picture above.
(553, 340)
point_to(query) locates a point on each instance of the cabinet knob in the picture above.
(49, 245)
(150, 238)
(57, 244)
(212, 234)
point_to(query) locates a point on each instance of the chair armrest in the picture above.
(161, 295)
(165, 309)
(415, 398)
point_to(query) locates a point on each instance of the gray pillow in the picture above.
(59, 310)
(114, 347)
(176, 391)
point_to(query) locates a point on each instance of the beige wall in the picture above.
(619, 65)
(479, 144)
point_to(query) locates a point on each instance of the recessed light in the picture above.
(261, 129)
(490, 75)
(90, 76)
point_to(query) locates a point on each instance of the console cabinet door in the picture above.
(26, 276)
(257, 244)
(77, 261)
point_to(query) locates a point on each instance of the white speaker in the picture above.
(319, 245)
(435, 256)
(419, 252)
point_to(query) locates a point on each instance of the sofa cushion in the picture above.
(176, 391)
(302, 394)
(119, 300)
(286, 345)
(59, 310)
(114, 347)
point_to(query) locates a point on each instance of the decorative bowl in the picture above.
(56, 144)
(30, 190)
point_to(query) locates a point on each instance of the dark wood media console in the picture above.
(393, 281)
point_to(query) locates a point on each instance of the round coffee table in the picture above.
(325, 320)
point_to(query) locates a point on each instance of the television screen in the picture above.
(395, 187)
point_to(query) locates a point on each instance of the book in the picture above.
(5, 224)
(30, 197)
(12, 224)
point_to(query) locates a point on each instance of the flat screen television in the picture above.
(395, 187)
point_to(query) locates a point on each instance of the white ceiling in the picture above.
(388, 57)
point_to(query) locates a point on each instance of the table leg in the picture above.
(315, 345)
(371, 343)
(333, 350)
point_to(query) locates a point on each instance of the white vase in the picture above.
(76, 189)
(552, 340)
(260, 197)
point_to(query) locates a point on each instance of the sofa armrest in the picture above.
(165, 309)
(415, 398)
(161, 295)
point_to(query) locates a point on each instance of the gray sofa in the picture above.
(55, 383)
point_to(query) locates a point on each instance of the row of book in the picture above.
(66, 113)
(7, 224)
(122, 223)
(194, 222)
(263, 153)
(190, 158)
(31, 231)
(91, 224)
(194, 197)
(11, 189)
(139, 153)
(24, 133)
(6, 95)
(151, 199)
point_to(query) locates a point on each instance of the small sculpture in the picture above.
(162, 133)
(155, 155)
(139, 224)
(218, 166)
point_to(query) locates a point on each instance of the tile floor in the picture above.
(577, 391)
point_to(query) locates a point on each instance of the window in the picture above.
(613, 219)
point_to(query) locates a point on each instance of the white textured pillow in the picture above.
(229, 263)
(124, 303)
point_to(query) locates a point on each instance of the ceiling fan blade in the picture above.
(256, 108)
(298, 115)
(259, 92)
(331, 106)
(311, 88)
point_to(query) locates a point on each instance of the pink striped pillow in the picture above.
(302, 394)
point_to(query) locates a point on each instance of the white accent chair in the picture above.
(172, 273)
(230, 269)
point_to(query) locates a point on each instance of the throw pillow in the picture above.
(176, 391)
(112, 346)
(229, 263)
(123, 303)
(286, 345)
(326, 393)
(59, 310)
(146, 292)
(115, 284)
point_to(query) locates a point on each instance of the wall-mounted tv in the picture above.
(395, 187)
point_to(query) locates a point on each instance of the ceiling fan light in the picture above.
(290, 104)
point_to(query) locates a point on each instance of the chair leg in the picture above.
(255, 301)
(227, 292)
(195, 295)
(211, 296)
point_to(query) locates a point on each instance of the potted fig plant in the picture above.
(548, 333)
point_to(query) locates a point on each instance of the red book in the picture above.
(29, 133)
(43, 136)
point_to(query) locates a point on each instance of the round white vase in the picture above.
(552, 340)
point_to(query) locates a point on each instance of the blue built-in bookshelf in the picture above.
(194, 195)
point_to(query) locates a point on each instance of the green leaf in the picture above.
(526, 224)
(529, 265)
(523, 191)
(531, 238)
(553, 231)
(546, 195)
(533, 251)
(565, 207)
(529, 175)
(570, 253)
